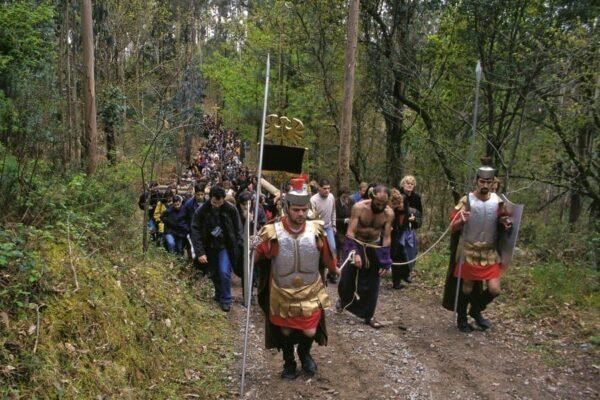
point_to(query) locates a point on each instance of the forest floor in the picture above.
(421, 355)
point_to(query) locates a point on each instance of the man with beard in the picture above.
(479, 215)
(370, 236)
(291, 259)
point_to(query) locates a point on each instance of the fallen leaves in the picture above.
(70, 348)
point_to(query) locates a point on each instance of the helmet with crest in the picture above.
(486, 171)
(298, 195)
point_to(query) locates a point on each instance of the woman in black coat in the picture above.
(398, 204)
(414, 209)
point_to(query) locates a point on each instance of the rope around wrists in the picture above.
(355, 295)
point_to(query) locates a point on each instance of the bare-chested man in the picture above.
(370, 235)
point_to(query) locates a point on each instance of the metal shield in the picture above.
(508, 239)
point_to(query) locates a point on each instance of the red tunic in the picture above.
(477, 272)
(268, 250)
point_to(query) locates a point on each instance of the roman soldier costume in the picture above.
(291, 291)
(474, 253)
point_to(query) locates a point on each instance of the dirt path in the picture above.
(419, 355)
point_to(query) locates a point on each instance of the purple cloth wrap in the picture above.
(350, 245)
(383, 254)
(384, 257)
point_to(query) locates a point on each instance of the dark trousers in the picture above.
(399, 272)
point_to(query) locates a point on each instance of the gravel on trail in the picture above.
(419, 354)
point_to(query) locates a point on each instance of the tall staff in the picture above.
(478, 71)
(256, 205)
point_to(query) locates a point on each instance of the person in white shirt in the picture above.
(323, 206)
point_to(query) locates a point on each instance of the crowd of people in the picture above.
(205, 224)
(306, 231)
(201, 214)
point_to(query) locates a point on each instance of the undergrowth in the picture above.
(535, 289)
(84, 315)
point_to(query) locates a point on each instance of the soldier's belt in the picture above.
(478, 253)
(296, 302)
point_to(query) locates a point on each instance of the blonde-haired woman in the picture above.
(412, 201)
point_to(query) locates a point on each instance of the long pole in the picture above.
(90, 129)
(247, 248)
(478, 71)
(349, 71)
(256, 205)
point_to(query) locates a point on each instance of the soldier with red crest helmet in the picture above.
(291, 258)
(476, 222)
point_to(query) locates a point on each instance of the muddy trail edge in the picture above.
(419, 354)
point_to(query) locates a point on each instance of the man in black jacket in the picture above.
(343, 207)
(176, 227)
(217, 240)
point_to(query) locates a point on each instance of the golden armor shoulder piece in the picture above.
(319, 227)
(462, 203)
(267, 232)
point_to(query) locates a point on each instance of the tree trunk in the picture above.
(111, 146)
(75, 109)
(189, 135)
(349, 69)
(70, 91)
(394, 134)
(90, 130)
(575, 205)
(62, 85)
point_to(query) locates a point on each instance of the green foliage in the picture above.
(112, 109)
(306, 43)
(241, 87)
(135, 328)
(19, 268)
(546, 287)
(561, 242)
(533, 288)
(24, 31)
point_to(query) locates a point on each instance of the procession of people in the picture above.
(308, 238)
